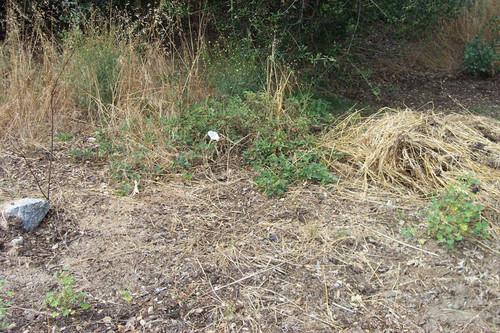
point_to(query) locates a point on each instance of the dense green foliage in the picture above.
(482, 53)
(302, 30)
(281, 148)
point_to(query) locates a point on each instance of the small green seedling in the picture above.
(126, 294)
(408, 232)
(64, 301)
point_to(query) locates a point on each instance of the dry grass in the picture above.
(29, 67)
(443, 50)
(107, 79)
(416, 153)
(152, 89)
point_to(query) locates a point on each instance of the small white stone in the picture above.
(17, 241)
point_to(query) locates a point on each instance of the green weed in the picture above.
(408, 232)
(283, 161)
(453, 215)
(125, 293)
(4, 305)
(229, 310)
(81, 154)
(280, 148)
(64, 301)
(63, 137)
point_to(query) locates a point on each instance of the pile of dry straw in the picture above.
(418, 153)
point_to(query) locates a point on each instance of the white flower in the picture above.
(214, 136)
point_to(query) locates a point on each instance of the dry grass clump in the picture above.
(444, 49)
(29, 67)
(418, 152)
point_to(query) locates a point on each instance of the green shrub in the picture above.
(64, 301)
(453, 215)
(283, 160)
(481, 55)
(282, 149)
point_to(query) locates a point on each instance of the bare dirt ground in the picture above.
(401, 81)
(440, 92)
(214, 255)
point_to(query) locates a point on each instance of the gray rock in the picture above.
(29, 210)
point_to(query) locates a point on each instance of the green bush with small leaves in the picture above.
(481, 55)
(64, 301)
(453, 215)
(282, 161)
(283, 149)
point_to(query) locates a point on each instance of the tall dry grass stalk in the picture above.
(443, 50)
(279, 81)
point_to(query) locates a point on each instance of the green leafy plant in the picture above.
(283, 161)
(81, 154)
(64, 301)
(408, 232)
(4, 305)
(282, 149)
(479, 57)
(453, 215)
(125, 293)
